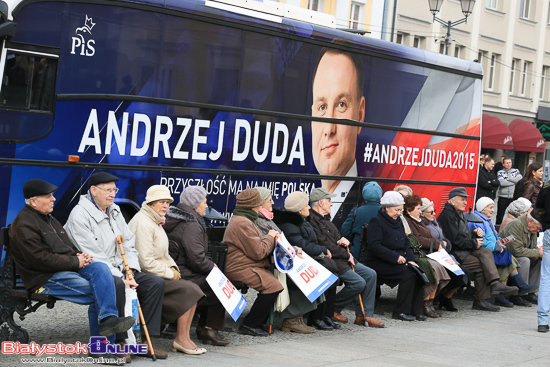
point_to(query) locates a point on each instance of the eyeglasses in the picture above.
(432, 212)
(108, 191)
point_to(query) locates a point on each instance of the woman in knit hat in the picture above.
(485, 208)
(389, 253)
(301, 235)
(189, 247)
(180, 296)
(248, 260)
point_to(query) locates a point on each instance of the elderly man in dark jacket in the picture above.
(50, 264)
(362, 281)
(468, 251)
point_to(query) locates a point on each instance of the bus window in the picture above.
(29, 82)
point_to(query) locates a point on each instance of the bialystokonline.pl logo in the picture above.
(99, 350)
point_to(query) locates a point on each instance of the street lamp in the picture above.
(467, 7)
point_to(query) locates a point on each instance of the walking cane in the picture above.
(120, 240)
(360, 300)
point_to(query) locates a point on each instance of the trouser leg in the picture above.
(482, 266)
(534, 272)
(544, 287)
(354, 286)
(260, 310)
(150, 294)
(405, 296)
(368, 294)
(120, 304)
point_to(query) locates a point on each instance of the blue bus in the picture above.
(182, 92)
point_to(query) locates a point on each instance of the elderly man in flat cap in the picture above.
(468, 251)
(50, 264)
(358, 282)
(93, 226)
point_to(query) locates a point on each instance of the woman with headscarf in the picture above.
(299, 304)
(389, 253)
(247, 261)
(188, 247)
(456, 282)
(428, 244)
(485, 208)
(180, 296)
(351, 229)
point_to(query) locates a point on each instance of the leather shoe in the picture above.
(499, 289)
(531, 297)
(421, 317)
(213, 336)
(160, 354)
(340, 318)
(520, 301)
(179, 348)
(329, 322)
(485, 305)
(319, 324)
(247, 330)
(403, 317)
(447, 303)
(543, 328)
(127, 357)
(369, 321)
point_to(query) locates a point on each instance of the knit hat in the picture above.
(516, 208)
(37, 187)
(248, 199)
(392, 198)
(426, 203)
(372, 191)
(264, 192)
(193, 196)
(483, 203)
(102, 177)
(158, 192)
(296, 201)
(527, 204)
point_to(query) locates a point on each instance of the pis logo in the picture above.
(81, 42)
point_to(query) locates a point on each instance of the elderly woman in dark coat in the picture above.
(188, 246)
(247, 261)
(390, 254)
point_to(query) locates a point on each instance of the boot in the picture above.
(519, 301)
(502, 301)
(213, 336)
(297, 325)
(524, 288)
(447, 303)
(429, 311)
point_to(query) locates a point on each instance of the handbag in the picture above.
(419, 272)
(503, 258)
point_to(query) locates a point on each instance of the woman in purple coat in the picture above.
(390, 254)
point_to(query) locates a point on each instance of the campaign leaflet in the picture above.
(311, 277)
(447, 261)
(506, 240)
(231, 299)
(283, 254)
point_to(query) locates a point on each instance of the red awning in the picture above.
(527, 137)
(495, 134)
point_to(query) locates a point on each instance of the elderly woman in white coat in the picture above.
(180, 296)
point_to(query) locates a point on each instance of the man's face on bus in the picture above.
(335, 95)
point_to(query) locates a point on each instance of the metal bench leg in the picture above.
(9, 330)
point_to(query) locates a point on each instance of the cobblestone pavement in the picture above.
(466, 338)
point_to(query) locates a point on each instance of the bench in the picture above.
(15, 298)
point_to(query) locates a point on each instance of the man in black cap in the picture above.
(93, 226)
(468, 251)
(49, 263)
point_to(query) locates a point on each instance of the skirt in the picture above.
(179, 297)
(505, 271)
(441, 275)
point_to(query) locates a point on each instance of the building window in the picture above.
(492, 72)
(317, 5)
(491, 4)
(543, 82)
(525, 7)
(513, 75)
(480, 57)
(399, 38)
(458, 51)
(418, 42)
(524, 76)
(356, 16)
(442, 48)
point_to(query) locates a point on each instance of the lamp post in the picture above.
(467, 7)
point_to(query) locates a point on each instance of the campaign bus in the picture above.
(180, 92)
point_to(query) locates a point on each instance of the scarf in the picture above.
(248, 213)
(266, 213)
(90, 197)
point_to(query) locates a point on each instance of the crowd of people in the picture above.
(166, 257)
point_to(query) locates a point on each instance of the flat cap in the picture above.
(320, 194)
(458, 191)
(102, 177)
(37, 187)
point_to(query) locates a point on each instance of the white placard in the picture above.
(229, 296)
(444, 259)
(311, 277)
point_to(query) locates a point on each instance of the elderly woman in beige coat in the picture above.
(248, 260)
(180, 296)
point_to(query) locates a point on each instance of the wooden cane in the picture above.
(360, 300)
(120, 240)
